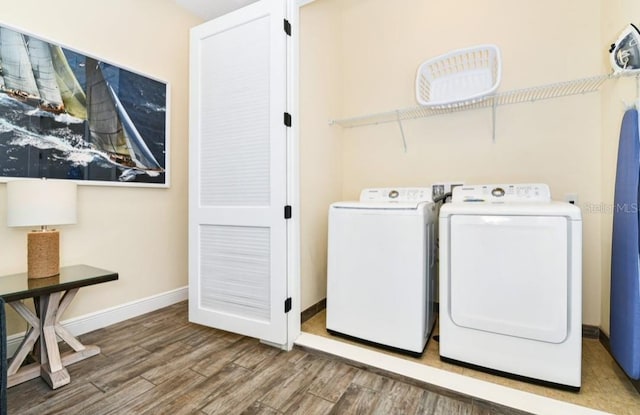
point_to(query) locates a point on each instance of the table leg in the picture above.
(52, 370)
(60, 330)
(17, 373)
(82, 351)
(46, 328)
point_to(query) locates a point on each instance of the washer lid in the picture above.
(379, 205)
(552, 208)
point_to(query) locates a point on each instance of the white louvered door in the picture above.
(237, 173)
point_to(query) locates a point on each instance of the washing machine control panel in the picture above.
(396, 194)
(500, 193)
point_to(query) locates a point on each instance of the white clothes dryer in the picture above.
(511, 283)
(381, 268)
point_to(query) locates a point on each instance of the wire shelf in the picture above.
(538, 93)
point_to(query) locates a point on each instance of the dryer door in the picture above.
(509, 275)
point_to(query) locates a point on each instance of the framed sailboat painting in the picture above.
(66, 115)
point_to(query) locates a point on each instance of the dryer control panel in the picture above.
(502, 193)
(396, 194)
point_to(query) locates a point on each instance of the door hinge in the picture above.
(287, 27)
(287, 212)
(287, 119)
(287, 305)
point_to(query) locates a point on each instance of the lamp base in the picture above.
(43, 254)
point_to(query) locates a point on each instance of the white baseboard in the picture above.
(103, 318)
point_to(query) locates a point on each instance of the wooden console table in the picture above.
(51, 297)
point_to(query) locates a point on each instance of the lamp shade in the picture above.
(41, 202)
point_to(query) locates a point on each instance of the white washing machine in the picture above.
(381, 268)
(511, 283)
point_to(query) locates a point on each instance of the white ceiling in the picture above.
(210, 9)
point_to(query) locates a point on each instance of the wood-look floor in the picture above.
(161, 364)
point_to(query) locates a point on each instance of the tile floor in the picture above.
(604, 385)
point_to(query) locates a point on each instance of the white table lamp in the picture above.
(42, 203)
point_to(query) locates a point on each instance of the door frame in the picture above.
(294, 324)
(293, 175)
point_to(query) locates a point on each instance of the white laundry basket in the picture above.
(460, 77)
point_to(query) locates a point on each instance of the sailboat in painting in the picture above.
(37, 73)
(111, 127)
(73, 96)
(17, 77)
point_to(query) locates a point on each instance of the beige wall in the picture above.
(616, 96)
(556, 142)
(139, 232)
(320, 144)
